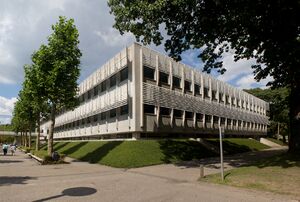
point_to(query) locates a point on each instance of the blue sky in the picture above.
(25, 25)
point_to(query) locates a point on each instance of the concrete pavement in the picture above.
(22, 179)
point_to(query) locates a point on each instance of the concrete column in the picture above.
(136, 135)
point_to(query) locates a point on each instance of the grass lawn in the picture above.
(276, 141)
(238, 145)
(280, 174)
(129, 154)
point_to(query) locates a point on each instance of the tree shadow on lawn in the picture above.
(74, 148)
(96, 155)
(175, 151)
(285, 160)
(58, 145)
(231, 148)
(9, 180)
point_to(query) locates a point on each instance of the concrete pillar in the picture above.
(136, 135)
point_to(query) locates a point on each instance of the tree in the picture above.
(58, 64)
(279, 111)
(265, 30)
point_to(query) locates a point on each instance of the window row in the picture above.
(105, 85)
(95, 118)
(166, 112)
(164, 79)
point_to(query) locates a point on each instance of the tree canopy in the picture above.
(51, 80)
(268, 31)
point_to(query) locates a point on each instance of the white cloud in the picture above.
(7, 106)
(111, 37)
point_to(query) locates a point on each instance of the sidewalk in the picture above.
(23, 179)
(190, 171)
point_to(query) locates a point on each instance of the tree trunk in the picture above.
(26, 144)
(29, 138)
(294, 137)
(37, 146)
(52, 124)
(21, 139)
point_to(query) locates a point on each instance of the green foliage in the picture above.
(6, 127)
(279, 107)
(6, 139)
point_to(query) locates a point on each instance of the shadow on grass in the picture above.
(285, 160)
(58, 146)
(96, 155)
(231, 148)
(174, 150)
(74, 148)
(9, 180)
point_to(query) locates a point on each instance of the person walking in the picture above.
(12, 149)
(4, 148)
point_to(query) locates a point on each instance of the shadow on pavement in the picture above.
(8, 180)
(75, 191)
(10, 161)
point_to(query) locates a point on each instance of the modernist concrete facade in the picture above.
(142, 93)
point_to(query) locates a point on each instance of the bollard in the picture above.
(201, 171)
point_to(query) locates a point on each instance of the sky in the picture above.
(26, 24)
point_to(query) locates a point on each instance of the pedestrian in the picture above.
(12, 149)
(4, 148)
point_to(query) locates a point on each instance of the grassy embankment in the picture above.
(280, 174)
(128, 154)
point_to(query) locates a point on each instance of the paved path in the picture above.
(22, 179)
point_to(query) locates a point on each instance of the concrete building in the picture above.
(142, 93)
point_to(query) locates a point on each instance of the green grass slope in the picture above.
(129, 154)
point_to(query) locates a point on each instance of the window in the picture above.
(199, 117)
(112, 81)
(228, 122)
(232, 101)
(223, 120)
(177, 113)
(77, 122)
(197, 89)
(88, 120)
(149, 73)
(227, 99)
(96, 90)
(208, 118)
(176, 82)
(89, 94)
(165, 111)
(214, 95)
(112, 113)
(221, 97)
(216, 119)
(124, 74)
(82, 121)
(163, 78)
(96, 118)
(103, 86)
(149, 109)
(206, 93)
(187, 85)
(103, 116)
(188, 115)
(124, 110)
